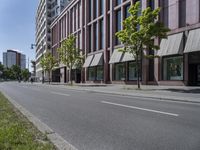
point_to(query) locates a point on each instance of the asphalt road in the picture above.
(95, 121)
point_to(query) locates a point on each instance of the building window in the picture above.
(91, 74)
(120, 71)
(95, 10)
(173, 68)
(118, 25)
(90, 10)
(108, 5)
(101, 6)
(132, 71)
(95, 39)
(126, 14)
(108, 30)
(182, 13)
(151, 4)
(165, 13)
(99, 72)
(90, 38)
(101, 33)
(118, 2)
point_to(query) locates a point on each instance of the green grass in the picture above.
(17, 133)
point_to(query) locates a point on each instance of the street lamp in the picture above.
(32, 47)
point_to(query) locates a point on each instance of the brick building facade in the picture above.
(95, 22)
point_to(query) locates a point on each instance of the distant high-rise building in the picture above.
(14, 57)
(47, 11)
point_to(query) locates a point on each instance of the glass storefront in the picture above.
(91, 74)
(173, 68)
(95, 73)
(132, 74)
(99, 72)
(120, 71)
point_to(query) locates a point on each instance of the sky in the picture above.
(17, 26)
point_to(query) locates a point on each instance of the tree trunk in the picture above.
(70, 74)
(42, 76)
(138, 71)
(49, 77)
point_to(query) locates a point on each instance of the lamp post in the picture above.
(32, 47)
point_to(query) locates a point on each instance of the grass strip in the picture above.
(17, 133)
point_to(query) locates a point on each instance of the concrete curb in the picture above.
(137, 95)
(55, 138)
(170, 98)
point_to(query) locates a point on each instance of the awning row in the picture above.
(174, 44)
(94, 60)
(118, 56)
(193, 41)
(97, 59)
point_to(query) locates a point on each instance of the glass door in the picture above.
(198, 74)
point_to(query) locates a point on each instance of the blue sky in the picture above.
(17, 26)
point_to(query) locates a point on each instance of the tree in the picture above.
(69, 55)
(25, 74)
(17, 72)
(48, 63)
(1, 70)
(139, 32)
(1, 67)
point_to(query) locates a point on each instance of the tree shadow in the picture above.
(193, 91)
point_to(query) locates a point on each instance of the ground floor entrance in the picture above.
(194, 69)
(56, 75)
(194, 74)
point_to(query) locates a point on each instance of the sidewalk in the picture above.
(172, 93)
(175, 93)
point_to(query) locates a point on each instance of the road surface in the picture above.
(96, 121)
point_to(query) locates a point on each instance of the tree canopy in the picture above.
(48, 63)
(139, 32)
(69, 55)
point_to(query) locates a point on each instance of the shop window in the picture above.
(132, 74)
(120, 71)
(100, 73)
(91, 74)
(173, 68)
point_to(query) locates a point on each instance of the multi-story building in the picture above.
(14, 57)
(95, 22)
(47, 11)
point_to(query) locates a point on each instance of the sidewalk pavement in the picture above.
(173, 93)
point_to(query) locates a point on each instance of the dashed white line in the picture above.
(60, 93)
(139, 108)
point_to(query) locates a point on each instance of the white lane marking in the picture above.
(60, 93)
(139, 108)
